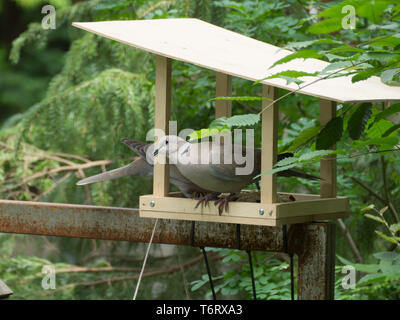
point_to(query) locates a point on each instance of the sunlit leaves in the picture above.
(295, 161)
(305, 54)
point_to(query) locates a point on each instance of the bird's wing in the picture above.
(137, 146)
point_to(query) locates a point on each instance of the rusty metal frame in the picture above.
(313, 243)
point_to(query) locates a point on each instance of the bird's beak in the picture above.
(155, 152)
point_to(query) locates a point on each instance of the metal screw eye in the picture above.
(261, 211)
(152, 203)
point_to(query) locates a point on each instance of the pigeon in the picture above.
(144, 167)
(204, 164)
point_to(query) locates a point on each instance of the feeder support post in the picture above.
(161, 120)
(223, 108)
(269, 144)
(328, 163)
(314, 244)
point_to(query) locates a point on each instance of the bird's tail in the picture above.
(139, 147)
(298, 174)
(138, 167)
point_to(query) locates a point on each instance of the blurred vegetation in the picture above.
(67, 97)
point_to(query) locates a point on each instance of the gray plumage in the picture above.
(144, 167)
(196, 162)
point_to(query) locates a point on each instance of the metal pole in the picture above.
(313, 243)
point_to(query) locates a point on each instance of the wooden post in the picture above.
(223, 89)
(269, 141)
(161, 119)
(327, 164)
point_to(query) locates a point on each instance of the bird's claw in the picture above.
(223, 203)
(206, 198)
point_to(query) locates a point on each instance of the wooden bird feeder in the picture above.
(232, 54)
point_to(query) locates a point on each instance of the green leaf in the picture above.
(335, 57)
(389, 269)
(242, 98)
(290, 80)
(197, 284)
(330, 134)
(203, 133)
(370, 207)
(336, 66)
(358, 120)
(385, 237)
(343, 260)
(309, 53)
(389, 74)
(292, 74)
(387, 255)
(372, 217)
(383, 41)
(372, 10)
(382, 56)
(218, 123)
(371, 278)
(383, 210)
(275, 170)
(378, 128)
(243, 120)
(394, 108)
(385, 141)
(302, 138)
(303, 44)
(315, 154)
(365, 74)
(286, 161)
(395, 227)
(326, 26)
(345, 48)
(366, 267)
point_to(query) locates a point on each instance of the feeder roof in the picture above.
(212, 47)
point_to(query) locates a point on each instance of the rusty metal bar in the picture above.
(314, 244)
(109, 223)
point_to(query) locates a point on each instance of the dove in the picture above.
(144, 167)
(203, 164)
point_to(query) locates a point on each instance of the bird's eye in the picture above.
(166, 141)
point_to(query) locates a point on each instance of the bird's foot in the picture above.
(206, 198)
(198, 195)
(224, 201)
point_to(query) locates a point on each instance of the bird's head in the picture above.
(169, 145)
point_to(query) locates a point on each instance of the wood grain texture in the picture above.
(161, 119)
(223, 108)
(246, 212)
(269, 144)
(327, 164)
(209, 46)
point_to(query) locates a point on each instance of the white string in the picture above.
(145, 259)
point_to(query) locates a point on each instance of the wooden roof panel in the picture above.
(219, 49)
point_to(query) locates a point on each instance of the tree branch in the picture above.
(350, 240)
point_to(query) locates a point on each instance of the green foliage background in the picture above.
(69, 93)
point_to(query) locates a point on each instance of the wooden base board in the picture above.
(306, 208)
